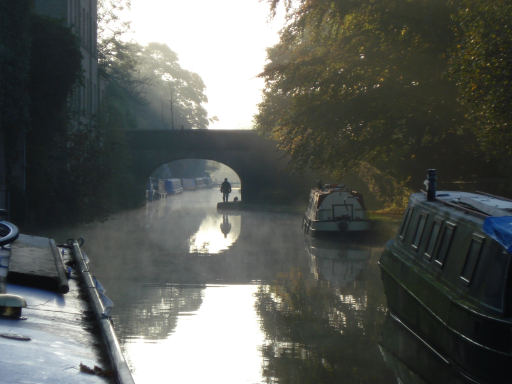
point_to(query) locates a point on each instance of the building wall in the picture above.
(81, 17)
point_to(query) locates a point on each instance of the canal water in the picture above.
(243, 297)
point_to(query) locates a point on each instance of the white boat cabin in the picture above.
(335, 208)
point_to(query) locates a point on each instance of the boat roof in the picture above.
(495, 211)
(479, 203)
(330, 188)
(53, 341)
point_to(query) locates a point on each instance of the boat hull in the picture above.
(478, 345)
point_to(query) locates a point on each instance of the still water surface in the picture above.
(202, 297)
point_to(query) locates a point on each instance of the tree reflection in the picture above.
(319, 333)
(152, 312)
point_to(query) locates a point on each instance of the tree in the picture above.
(482, 66)
(172, 88)
(139, 81)
(358, 83)
(113, 50)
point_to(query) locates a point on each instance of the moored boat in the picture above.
(173, 186)
(334, 208)
(189, 184)
(448, 278)
(54, 317)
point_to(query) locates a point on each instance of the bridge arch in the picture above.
(262, 168)
(194, 168)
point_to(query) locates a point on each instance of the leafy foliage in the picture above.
(113, 51)
(368, 85)
(482, 67)
(138, 81)
(170, 88)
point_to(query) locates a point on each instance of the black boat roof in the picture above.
(477, 203)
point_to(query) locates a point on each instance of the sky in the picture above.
(224, 41)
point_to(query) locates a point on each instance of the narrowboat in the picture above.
(201, 182)
(334, 208)
(411, 361)
(189, 184)
(173, 186)
(55, 324)
(448, 279)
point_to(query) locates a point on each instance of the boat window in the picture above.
(445, 241)
(434, 234)
(418, 234)
(405, 223)
(472, 257)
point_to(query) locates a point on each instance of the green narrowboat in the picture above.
(448, 278)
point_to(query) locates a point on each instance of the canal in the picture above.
(242, 297)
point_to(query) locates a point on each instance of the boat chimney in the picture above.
(431, 184)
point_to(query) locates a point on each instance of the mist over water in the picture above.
(243, 297)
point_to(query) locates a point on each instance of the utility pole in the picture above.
(172, 108)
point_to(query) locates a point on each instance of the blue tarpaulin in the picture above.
(500, 229)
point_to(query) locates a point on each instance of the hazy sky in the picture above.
(223, 41)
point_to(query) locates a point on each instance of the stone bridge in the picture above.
(262, 168)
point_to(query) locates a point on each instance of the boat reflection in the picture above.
(320, 326)
(210, 240)
(339, 264)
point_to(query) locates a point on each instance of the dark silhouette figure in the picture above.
(225, 188)
(225, 226)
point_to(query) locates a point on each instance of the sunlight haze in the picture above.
(224, 41)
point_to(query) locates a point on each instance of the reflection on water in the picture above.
(217, 342)
(155, 310)
(324, 327)
(209, 239)
(340, 266)
(266, 306)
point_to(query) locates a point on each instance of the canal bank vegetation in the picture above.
(40, 65)
(378, 91)
(61, 166)
(145, 88)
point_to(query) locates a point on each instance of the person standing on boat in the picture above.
(225, 188)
